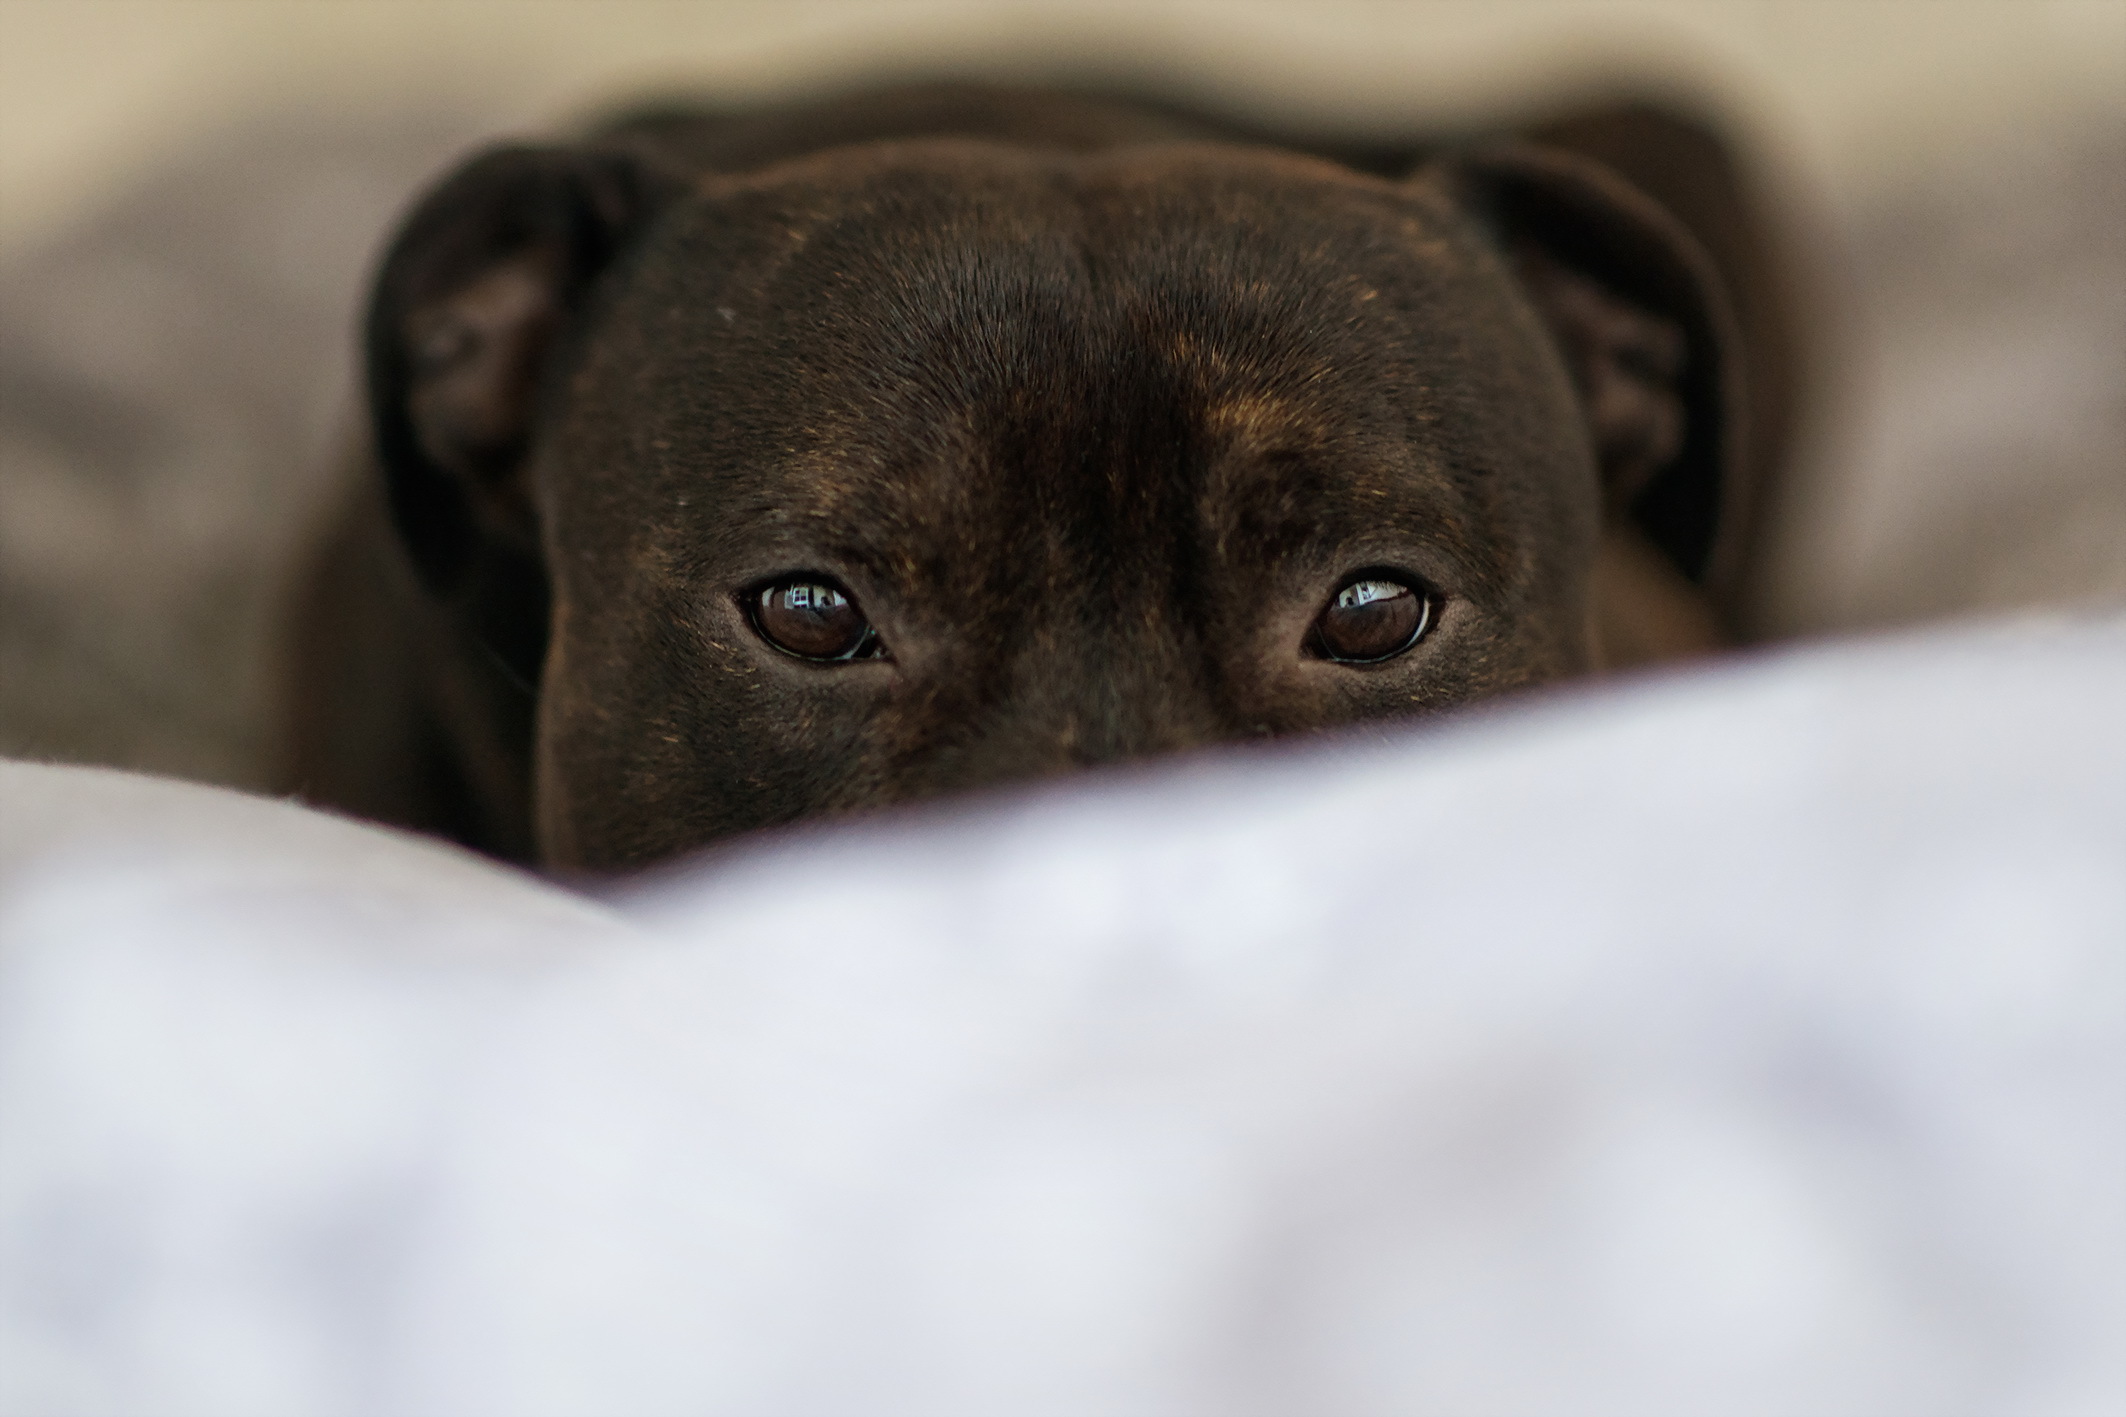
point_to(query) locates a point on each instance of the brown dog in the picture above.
(729, 471)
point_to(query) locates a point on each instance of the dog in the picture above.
(724, 470)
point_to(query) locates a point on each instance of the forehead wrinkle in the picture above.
(990, 359)
(1046, 409)
(992, 390)
(923, 349)
(1305, 459)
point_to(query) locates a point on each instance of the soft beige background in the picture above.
(191, 192)
(91, 91)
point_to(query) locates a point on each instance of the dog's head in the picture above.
(907, 467)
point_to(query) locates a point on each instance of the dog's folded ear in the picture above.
(475, 298)
(1638, 314)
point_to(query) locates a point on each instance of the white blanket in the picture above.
(1750, 1042)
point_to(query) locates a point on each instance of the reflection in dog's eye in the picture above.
(813, 618)
(1372, 618)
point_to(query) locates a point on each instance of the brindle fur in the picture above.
(1090, 404)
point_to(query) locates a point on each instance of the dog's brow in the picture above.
(1260, 419)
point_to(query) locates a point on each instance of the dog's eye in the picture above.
(813, 618)
(1372, 618)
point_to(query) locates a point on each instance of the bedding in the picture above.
(1749, 1042)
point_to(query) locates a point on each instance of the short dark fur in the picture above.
(1090, 405)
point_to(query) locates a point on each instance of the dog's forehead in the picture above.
(957, 268)
(1224, 254)
(880, 351)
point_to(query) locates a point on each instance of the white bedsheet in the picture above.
(1749, 1042)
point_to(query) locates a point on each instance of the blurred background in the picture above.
(191, 192)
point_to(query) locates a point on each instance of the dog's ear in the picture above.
(1639, 316)
(476, 296)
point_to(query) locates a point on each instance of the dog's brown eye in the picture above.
(1373, 618)
(813, 619)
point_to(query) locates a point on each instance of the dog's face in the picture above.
(907, 468)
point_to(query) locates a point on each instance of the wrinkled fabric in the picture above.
(1750, 1041)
